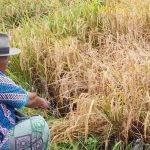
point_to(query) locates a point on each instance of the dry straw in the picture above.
(110, 80)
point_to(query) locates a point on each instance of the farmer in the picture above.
(17, 131)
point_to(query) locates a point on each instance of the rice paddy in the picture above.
(91, 60)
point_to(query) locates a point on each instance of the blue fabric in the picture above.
(11, 96)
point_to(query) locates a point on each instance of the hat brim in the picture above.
(12, 51)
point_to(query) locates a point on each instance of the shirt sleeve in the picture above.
(11, 94)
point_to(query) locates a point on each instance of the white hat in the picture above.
(5, 50)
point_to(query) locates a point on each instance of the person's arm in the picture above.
(15, 96)
(34, 101)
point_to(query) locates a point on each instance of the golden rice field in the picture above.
(91, 60)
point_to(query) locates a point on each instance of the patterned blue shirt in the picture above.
(11, 96)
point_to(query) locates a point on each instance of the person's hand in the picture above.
(43, 104)
(35, 101)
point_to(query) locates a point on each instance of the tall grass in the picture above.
(95, 53)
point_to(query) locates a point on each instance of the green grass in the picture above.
(90, 144)
(52, 20)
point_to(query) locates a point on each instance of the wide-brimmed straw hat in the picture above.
(5, 50)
